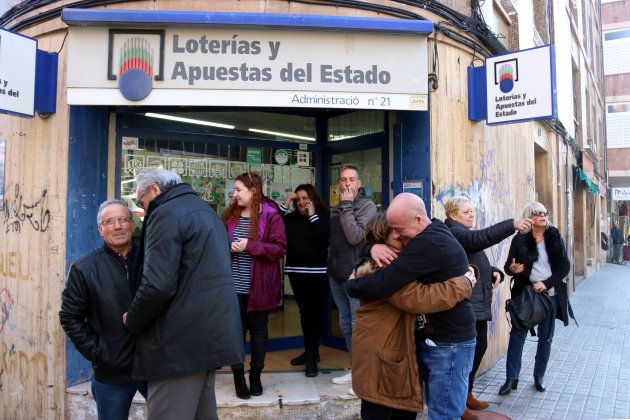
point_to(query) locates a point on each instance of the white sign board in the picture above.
(247, 67)
(521, 86)
(18, 56)
(621, 194)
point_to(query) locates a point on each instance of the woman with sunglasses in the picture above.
(258, 243)
(539, 259)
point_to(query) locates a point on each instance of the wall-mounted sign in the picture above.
(521, 85)
(281, 156)
(2, 156)
(254, 65)
(18, 56)
(254, 155)
(621, 194)
(514, 87)
(413, 187)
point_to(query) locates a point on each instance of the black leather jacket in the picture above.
(474, 243)
(99, 289)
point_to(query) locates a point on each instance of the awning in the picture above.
(592, 186)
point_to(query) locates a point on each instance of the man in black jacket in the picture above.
(99, 289)
(617, 240)
(445, 341)
(185, 314)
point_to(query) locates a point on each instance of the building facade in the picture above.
(616, 40)
(183, 112)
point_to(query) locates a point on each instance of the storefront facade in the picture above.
(289, 90)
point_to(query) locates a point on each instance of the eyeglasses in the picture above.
(540, 213)
(123, 220)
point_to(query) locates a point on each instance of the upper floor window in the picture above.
(618, 125)
(617, 52)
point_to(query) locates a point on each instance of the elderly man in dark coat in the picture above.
(185, 314)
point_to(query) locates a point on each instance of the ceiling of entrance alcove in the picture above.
(342, 124)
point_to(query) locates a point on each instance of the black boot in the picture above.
(508, 386)
(239, 383)
(301, 359)
(311, 359)
(255, 385)
(539, 384)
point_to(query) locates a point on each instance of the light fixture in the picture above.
(279, 134)
(188, 120)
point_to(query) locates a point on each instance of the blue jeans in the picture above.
(444, 368)
(517, 340)
(113, 401)
(347, 306)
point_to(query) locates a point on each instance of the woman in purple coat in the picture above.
(258, 243)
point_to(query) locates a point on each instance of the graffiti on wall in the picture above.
(18, 365)
(488, 194)
(13, 265)
(6, 310)
(19, 212)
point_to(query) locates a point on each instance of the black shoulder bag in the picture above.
(528, 309)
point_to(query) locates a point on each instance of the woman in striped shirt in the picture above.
(308, 233)
(258, 243)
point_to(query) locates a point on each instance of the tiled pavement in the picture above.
(588, 376)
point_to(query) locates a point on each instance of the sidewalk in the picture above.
(588, 376)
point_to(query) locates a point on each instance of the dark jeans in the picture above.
(311, 294)
(371, 411)
(113, 401)
(256, 324)
(617, 252)
(545, 332)
(480, 350)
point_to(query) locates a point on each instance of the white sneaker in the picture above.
(343, 380)
(351, 392)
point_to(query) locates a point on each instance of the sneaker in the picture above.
(351, 392)
(343, 380)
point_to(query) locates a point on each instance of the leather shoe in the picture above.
(508, 386)
(469, 415)
(475, 404)
(538, 383)
(301, 359)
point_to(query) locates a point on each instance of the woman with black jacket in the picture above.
(537, 259)
(460, 218)
(308, 233)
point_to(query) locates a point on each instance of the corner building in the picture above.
(291, 90)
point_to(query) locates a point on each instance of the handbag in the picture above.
(528, 309)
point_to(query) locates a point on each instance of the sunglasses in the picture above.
(540, 213)
(249, 176)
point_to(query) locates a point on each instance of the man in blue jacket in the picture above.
(99, 289)
(617, 240)
(185, 314)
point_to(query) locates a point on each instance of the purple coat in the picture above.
(266, 250)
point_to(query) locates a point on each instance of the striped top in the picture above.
(241, 261)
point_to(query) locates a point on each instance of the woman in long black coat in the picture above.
(537, 259)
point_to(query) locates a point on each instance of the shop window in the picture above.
(211, 168)
(355, 124)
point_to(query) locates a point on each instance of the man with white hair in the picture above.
(445, 341)
(185, 314)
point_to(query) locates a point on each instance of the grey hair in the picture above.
(108, 203)
(162, 177)
(349, 167)
(532, 207)
(454, 203)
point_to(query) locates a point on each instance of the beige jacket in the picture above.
(384, 366)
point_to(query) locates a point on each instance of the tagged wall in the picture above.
(492, 165)
(32, 259)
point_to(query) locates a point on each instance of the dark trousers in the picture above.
(311, 294)
(256, 324)
(480, 349)
(371, 411)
